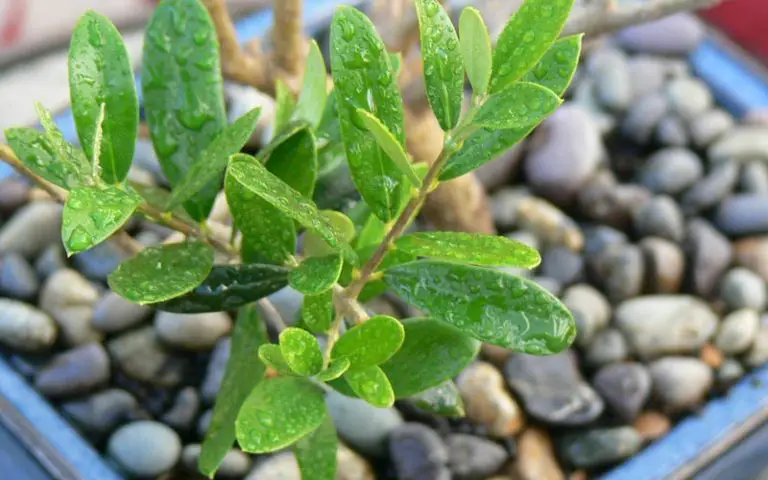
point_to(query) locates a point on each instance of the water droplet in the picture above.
(431, 8)
(561, 56)
(94, 35)
(79, 239)
(371, 101)
(347, 29)
(529, 36)
(200, 37)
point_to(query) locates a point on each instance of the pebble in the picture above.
(647, 74)
(241, 99)
(536, 457)
(503, 170)
(504, 205)
(621, 271)
(31, 229)
(671, 170)
(709, 254)
(101, 412)
(711, 355)
(600, 447)
(98, 262)
(752, 253)
(288, 302)
(680, 383)
(660, 217)
(14, 193)
(710, 126)
(607, 202)
(552, 389)
(140, 355)
(625, 387)
(712, 189)
(69, 298)
(144, 157)
(729, 373)
(689, 97)
(418, 453)
(664, 265)
(192, 332)
(350, 413)
(644, 115)
(652, 425)
(204, 422)
(600, 237)
(473, 458)
(487, 401)
(613, 84)
(737, 331)
(217, 367)
(283, 466)
(590, 309)
(754, 177)
(549, 223)
(184, 410)
(17, 278)
(112, 313)
(757, 355)
(608, 346)
(744, 214)
(562, 265)
(677, 34)
(145, 448)
(234, 465)
(23, 327)
(743, 143)
(742, 288)
(74, 372)
(549, 284)
(672, 132)
(50, 261)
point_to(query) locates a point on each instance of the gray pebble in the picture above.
(418, 453)
(144, 157)
(689, 97)
(737, 331)
(607, 202)
(647, 74)
(600, 237)
(644, 115)
(552, 285)
(600, 447)
(680, 383)
(24, 327)
(562, 264)
(709, 253)
(502, 170)
(50, 260)
(217, 366)
(504, 205)
(112, 313)
(744, 214)
(677, 34)
(140, 355)
(31, 229)
(625, 387)
(607, 346)
(69, 299)
(712, 189)
(74, 372)
(710, 126)
(590, 309)
(672, 170)
(183, 412)
(743, 288)
(672, 132)
(241, 99)
(145, 448)
(660, 217)
(613, 84)
(17, 278)
(204, 422)
(234, 465)
(192, 332)
(754, 177)
(288, 302)
(743, 143)
(621, 271)
(729, 372)
(14, 193)
(101, 412)
(664, 265)
(350, 413)
(757, 355)
(473, 458)
(98, 262)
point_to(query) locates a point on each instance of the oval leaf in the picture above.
(243, 372)
(100, 73)
(363, 78)
(316, 274)
(371, 384)
(370, 343)
(278, 412)
(162, 272)
(432, 353)
(65, 151)
(334, 370)
(37, 153)
(91, 215)
(443, 399)
(443, 65)
(475, 248)
(182, 92)
(476, 49)
(315, 246)
(316, 453)
(271, 356)
(228, 287)
(390, 145)
(525, 39)
(301, 351)
(556, 68)
(313, 90)
(521, 105)
(285, 104)
(490, 305)
(317, 311)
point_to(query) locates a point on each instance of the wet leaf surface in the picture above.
(313, 93)
(518, 106)
(317, 311)
(370, 343)
(316, 453)
(474, 248)
(301, 351)
(371, 384)
(476, 51)
(556, 68)
(316, 274)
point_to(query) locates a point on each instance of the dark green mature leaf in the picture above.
(244, 371)
(371, 384)
(285, 104)
(278, 412)
(334, 370)
(363, 78)
(100, 73)
(37, 153)
(474, 248)
(475, 49)
(443, 399)
(313, 90)
(316, 453)
(228, 287)
(92, 214)
(556, 68)
(317, 311)
(301, 351)
(315, 246)
(443, 65)
(294, 160)
(432, 353)
(488, 304)
(272, 356)
(316, 274)
(162, 272)
(390, 145)
(525, 39)
(372, 342)
(182, 89)
(520, 105)
(210, 165)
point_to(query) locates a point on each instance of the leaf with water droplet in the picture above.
(100, 73)
(301, 351)
(279, 412)
(243, 372)
(370, 384)
(520, 105)
(372, 342)
(183, 93)
(36, 152)
(162, 272)
(475, 49)
(556, 68)
(334, 370)
(271, 356)
(92, 214)
(313, 90)
(474, 248)
(443, 399)
(285, 104)
(360, 64)
(373, 232)
(316, 274)
(443, 64)
(316, 453)
(65, 151)
(487, 304)
(317, 311)
(390, 145)
(316, 246)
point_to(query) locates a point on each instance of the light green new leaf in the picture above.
(278, 412)
(370, 343)
(487, 304)
(100, 74)
(316, 246)
(475, 49)
(556, 68)
(316, 274)
(244, 371)
(443, 65)
(525, 39)
(37, 153)
(334, 370)
(182, 92)
(443, 399)
(432, 353)
(520, 105)
(301, 351)
(371, 384)
(285, 105)
(65, 151)
(390, 145)
(363, 78)
(316, 453)
(313, 90)
(373, 232)
(162, 272)
(317, 311)
(272, 356)
(396, 59)
(92, 214)
(210, 165)
(474, 248)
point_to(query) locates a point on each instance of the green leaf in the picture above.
(210, 165)
(294, 160)
(432, 353)
(100, 73)
(91, 215)
(37, 153)
(363, 78)
(285, 104)
(182, 91)
(317, 311)
(370, 343)
(443, 399)
(556, 68)
(474, 248)
(301, 351)
(316, 453)
(521, 105)
(373, 232)
(390, 145)
(487, 304)
(443, 65)
(272, 356)
(228, 287)
(313, 91)
(65, 151)
(162, 272)
(244, 371)
(159, 198)
(396, 60)
(475, 49)
(315, 246)
(525, 39)
(316, 274)
(371, 384)
(278, 412)
(334, 370)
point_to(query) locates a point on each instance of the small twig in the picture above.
(288, 36)
(187, 228)
(7, 155)
(271, 315)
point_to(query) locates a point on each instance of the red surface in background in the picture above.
(745, 22)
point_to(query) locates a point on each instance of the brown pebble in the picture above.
(39, 195)
(495, 354)
(549, 223)
(752, 253)
(535, 457)
(14, 193)
(578, 475)
(665, 265)
(712, 356)
(652, 425)
(487, 400)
